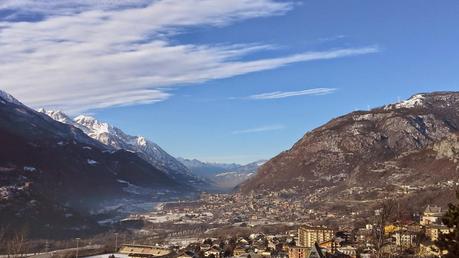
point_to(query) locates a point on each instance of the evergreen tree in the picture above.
(450, 242)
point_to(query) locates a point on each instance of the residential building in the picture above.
(298, 252)
(405, 238)
(434, 231)
(308, 236)
(431, 215)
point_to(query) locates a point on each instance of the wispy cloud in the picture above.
(87, 56)
(286, 94)
(260, 129)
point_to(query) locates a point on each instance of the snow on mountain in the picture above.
(414, 101)
(226, 176)
(58, 116)
(117, 139)
(5, 97)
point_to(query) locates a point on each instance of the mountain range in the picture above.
(116, 139)
(407, 150)
(225, 176)
(53, 176)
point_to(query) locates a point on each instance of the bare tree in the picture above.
(385, 214)
(2, 237)
(16, 245)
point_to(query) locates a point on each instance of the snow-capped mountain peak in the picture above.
(117, 139)
(93, 124)
(57, 115)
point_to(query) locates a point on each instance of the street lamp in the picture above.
(77, 240)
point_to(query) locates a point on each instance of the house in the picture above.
(348, 250)
(144, 251)
(213, 252)
(434, 231)
(405, 238)
(298, 252)
(431, 215)
(428, 249)
(306, 252)
(238, 251)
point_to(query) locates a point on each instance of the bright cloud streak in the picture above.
(260, 129)
(97, 57)
(286, 94)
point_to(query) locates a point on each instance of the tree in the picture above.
(450, 242)
(16, 245)
(383, 216)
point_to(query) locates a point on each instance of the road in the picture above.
(55, 252)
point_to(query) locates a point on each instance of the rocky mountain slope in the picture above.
(225, 176)
(393, 151)
(52, 174)
(117, 139)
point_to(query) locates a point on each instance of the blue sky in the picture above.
(227, 80)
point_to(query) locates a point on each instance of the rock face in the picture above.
(408, 144)
(118, 140)
(52, 174)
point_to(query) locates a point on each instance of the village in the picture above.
(398, 239)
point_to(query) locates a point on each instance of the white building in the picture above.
(431, 215)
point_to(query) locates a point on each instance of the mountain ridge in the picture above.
(225, 176)
(385, 148)
(115, 138)
(45, 163)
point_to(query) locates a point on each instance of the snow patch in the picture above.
(92, 162)
(415, 101)
(141, 141)
(29, 169)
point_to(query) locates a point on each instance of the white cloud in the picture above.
(286, 94)
(260, 129)
(97, 57)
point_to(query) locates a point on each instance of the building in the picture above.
(348, 250)
(306, 252)
(434, 231)
(144, 251)
(405, 238)
(298, 252)
(308, 236)
(431, 215)
(213, 252)
(239, 251)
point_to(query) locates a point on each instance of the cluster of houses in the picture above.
(413, 238)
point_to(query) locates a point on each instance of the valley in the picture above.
(336, 176)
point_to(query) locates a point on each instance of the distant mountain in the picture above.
(52, 175)
(207, 169)
(117, 139)
(225, 176)
(407, 150)
(232, 178)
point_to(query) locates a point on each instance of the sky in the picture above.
(226, 80)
